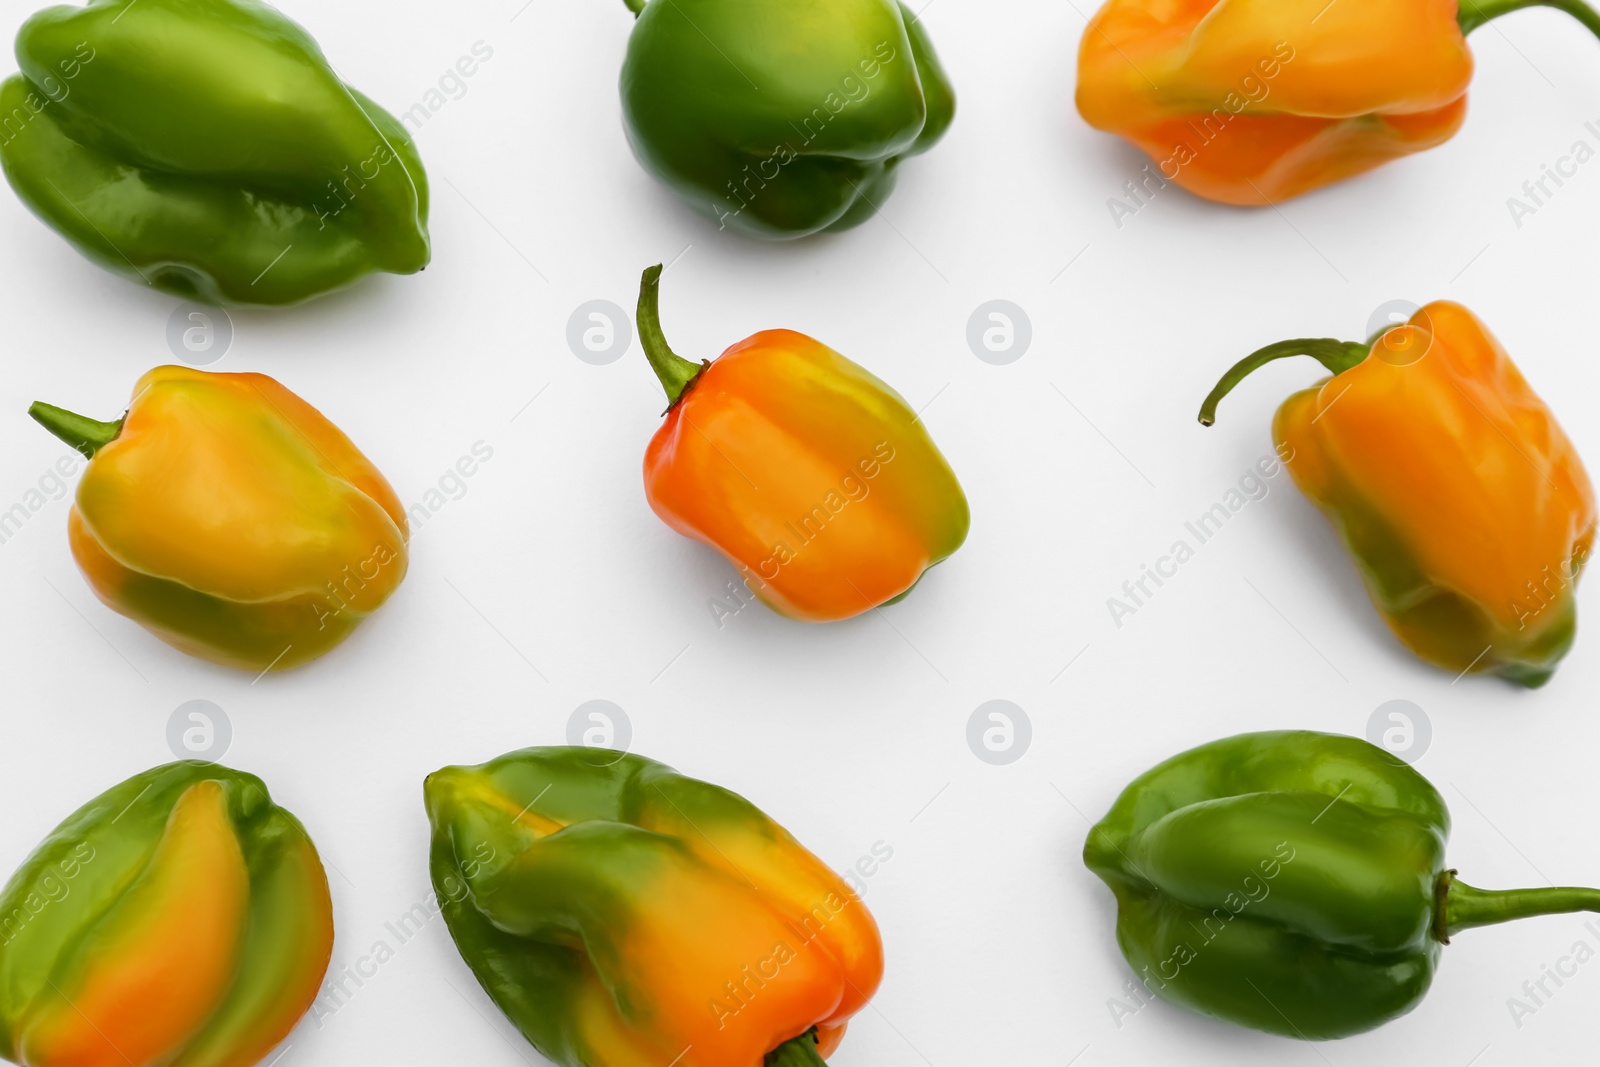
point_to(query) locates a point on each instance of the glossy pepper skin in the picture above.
(1249, 102)
(812, 476)
(208, 149)
(781, 119)
(1292, 882)
(1464, 504)
(228, 517)
(623, 915)
(180, 919)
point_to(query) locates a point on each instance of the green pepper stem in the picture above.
(801, 1052)
(636, 6)
(1337, 356)
(676, 373)
(1461, 907)
(86, 435)
(1474, 13)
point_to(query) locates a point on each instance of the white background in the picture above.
(550, 583)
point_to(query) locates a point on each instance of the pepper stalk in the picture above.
(82, 433)
(1458, 906)
(1337, 356)
(1473, 14)
(800, 1052)
(677, 374)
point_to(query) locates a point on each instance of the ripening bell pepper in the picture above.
(229, 518)
(1464, 504)
(1292, 882)
(623, 915)
(1249, 103)
(781, 119)
(180, 919)
(207, 148)
(812, 476)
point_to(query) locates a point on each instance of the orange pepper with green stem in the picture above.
(231, 519)
(1256, 101)
(813, 477)
(1466, 507)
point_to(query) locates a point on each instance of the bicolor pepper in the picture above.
(208, 149)
(1465, 506)
(180, 919)
(231, 519)
(812, 476)
(781, 120)
(1254, 103)
(623, 915)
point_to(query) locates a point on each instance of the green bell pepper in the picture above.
(623, 915)
(208, 149)
(1292, 882)
(781, 119)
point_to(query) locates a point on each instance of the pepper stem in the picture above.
(1461, 907)
(801, 1052)
(1337, 356)
(1474, 13)
(676, 373)
(86, 435)
(636, 6)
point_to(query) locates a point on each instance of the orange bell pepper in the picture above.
(1464, 504)
(228, 517)
(1257, 101)
(815, 478)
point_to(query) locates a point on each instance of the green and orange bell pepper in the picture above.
(180, 919)
(623, 915)
(812, 476)
(1464, 504)
(1248, 102)
(231, 519)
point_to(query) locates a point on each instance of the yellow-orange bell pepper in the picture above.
(228, 517)
(180, 919)
(812, 476)
(1256, 101)
(1464, 504)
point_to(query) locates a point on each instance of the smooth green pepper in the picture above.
(208, 149)
(781, 119)
(1292, 882)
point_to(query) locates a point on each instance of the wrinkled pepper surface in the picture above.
(812, 476)
(1467, 509)
(207, 148)
(1247, 102)
(1292, 882)
(781, 120)
(623, 915)
(180, 919)
(228, 517)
